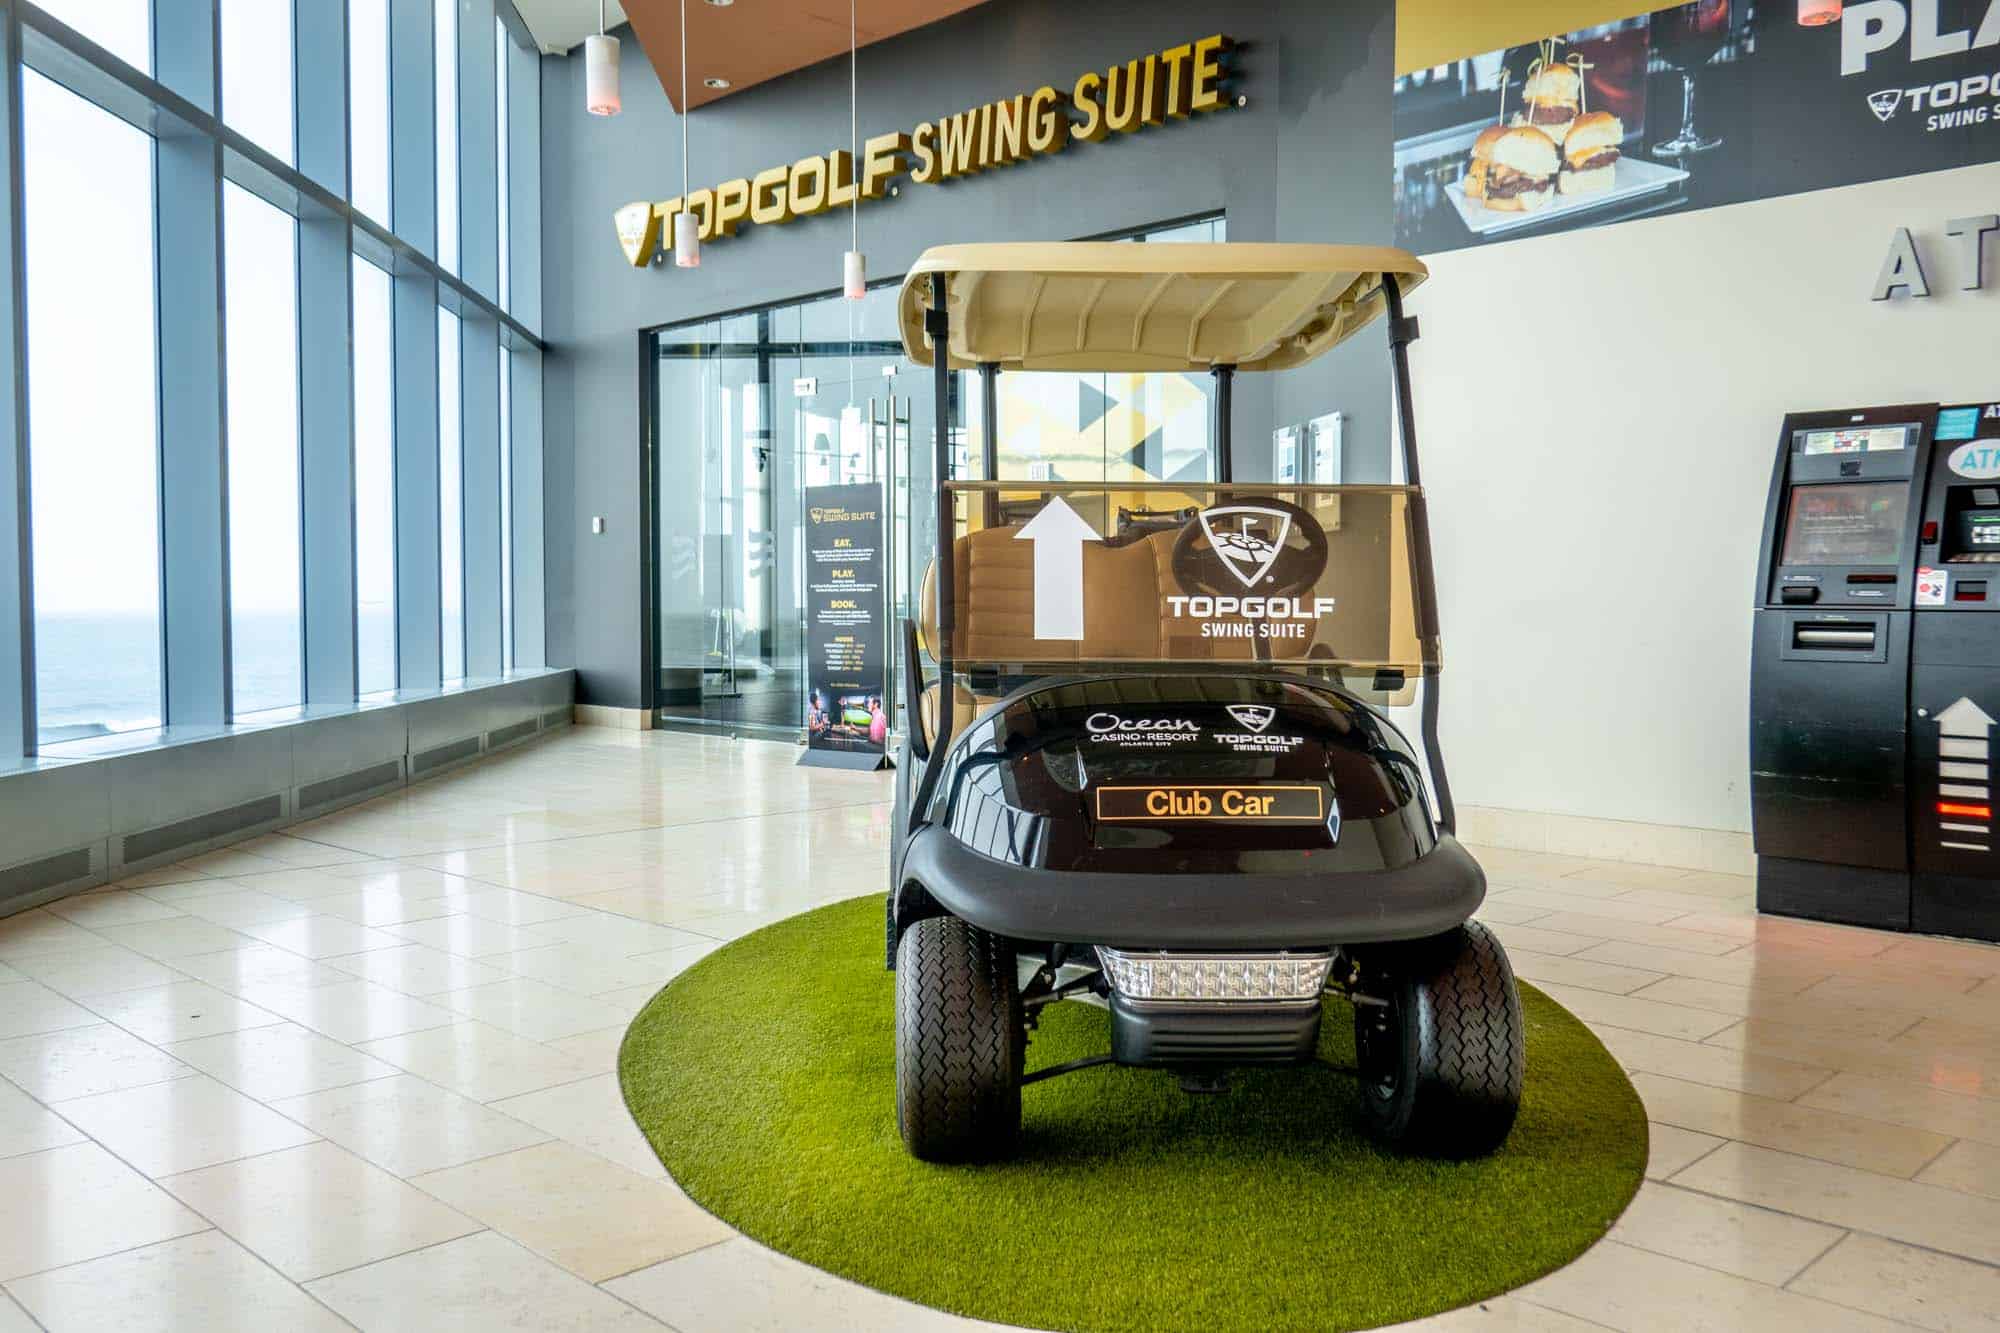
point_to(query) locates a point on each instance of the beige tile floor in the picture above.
(361, 1073)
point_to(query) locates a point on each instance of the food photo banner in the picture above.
(1693, 106)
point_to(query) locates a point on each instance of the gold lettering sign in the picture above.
(1176, 84)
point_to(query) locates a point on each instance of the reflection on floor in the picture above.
(361, 1073)
(770, 699)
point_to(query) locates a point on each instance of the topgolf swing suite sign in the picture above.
(1175, 84)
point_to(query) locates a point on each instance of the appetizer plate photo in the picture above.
(1635, 178)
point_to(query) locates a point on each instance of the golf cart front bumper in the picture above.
(1235, 911)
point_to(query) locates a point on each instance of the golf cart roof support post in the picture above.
(1225, 412)
(989, 416)
(1403, 332)
(937, 322)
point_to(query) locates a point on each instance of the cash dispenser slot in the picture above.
(1845, 638)
(1818, 637)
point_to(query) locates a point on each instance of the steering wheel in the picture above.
(1219, 553)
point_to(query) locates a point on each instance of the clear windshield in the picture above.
(1307, 579)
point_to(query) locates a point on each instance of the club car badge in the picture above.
(1246, 538)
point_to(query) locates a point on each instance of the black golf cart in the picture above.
(1149, 762)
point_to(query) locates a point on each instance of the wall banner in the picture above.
(847, 702)
(1695, 106)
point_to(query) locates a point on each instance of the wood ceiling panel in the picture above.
(750, 41)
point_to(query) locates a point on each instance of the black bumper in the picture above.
(1242, 911)
(1237, 1033)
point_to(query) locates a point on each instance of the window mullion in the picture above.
(17, 620)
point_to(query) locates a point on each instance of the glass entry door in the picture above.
(750, 410)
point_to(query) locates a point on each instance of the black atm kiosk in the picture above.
(1830, 665)
(1955, 681)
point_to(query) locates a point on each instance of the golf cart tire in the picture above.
(960, 1042)
(1456, 1043)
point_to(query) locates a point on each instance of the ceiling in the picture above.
(558, 25)
(743, 41)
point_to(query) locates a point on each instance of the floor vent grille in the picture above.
(439, 755)
(34, 876)
(315, 794)
(152, 842)
(509, 734)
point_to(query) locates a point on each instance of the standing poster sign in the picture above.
(847, 703)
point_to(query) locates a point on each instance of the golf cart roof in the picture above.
(1121, 306)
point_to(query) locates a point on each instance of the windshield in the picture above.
(1305, 579)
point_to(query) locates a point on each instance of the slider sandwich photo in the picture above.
(1520, 168)
(1513, 170)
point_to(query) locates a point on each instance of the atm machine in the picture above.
(1830, 734)
(1955, 681)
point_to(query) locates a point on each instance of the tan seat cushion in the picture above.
(965, 706)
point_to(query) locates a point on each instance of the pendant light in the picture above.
(1816, 13)
(853, 268)
(600, 70)
(687, 235)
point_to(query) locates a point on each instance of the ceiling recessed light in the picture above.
(715, 83)
(722, 4)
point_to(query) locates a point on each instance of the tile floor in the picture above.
(361, 1073)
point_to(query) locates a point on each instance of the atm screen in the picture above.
(1846, 523)
(1855, 440)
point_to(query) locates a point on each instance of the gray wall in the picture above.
(1307, 160)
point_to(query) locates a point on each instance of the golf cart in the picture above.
(1147, 759)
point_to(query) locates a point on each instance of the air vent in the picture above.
(449, 753)
(315, 794)
(34, 876)
(508, 735)
(556, 717)
(184, 833)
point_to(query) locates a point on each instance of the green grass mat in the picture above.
(765, 1078)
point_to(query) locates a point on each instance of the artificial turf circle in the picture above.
(765, 1077)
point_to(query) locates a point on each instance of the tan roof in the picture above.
(1112, 305)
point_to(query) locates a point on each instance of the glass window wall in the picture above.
(248, 614)
(261, 321)
(93, 419)
(257, 72)
(447, 134)
(368, 105)
(122, 27)
(451, 499)
(374, 480)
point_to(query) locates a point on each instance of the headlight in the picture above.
(1216, 977)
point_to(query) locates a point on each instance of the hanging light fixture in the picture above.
(600, 70)
(1814, 13)
(687, 235)
(854, 267)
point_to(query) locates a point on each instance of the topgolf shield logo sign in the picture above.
(1257, 717)
(1246, 539)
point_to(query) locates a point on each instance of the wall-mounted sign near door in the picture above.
(1174, 84)
(847, 695)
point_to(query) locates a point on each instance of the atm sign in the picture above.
(1977, 459)
(1221, 804)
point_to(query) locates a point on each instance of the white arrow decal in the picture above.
(1058, 533)
(1964, 770)
(1964, 718)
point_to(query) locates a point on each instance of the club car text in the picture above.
(1261, 617)
(1287, 805)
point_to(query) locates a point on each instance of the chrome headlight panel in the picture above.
(1216, 978)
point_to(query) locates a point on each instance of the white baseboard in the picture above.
(620, 719)
(1608, 839)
